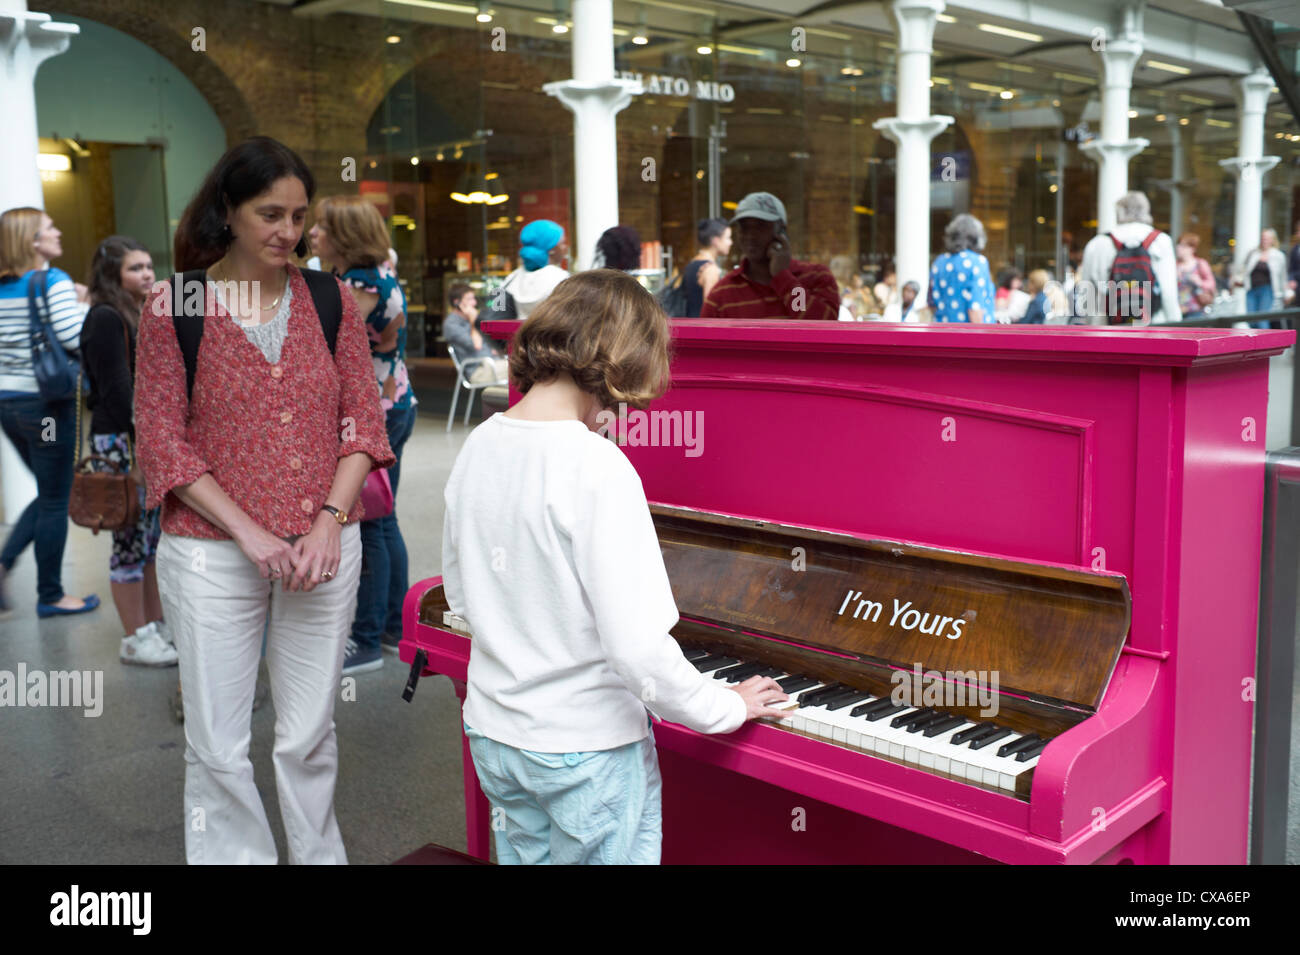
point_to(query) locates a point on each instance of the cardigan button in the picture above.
(295, 463)
(286, 417)
(276, 371)
(307, 505)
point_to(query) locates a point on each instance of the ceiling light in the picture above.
(794, 62)
(1007, 31)
(640, 39)
(944, 18)
(1006, 94)
(415, 160)
(1168, 67)
(704, 49)
(1184, 121)
(559, 28)
(394, 39)
(1052, 187)
(1161, 117)
(1132, 114)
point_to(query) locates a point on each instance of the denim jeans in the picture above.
(42, 434)
(383, 554)
(597, 808)
(1260, 299)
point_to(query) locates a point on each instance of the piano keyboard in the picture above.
(978, 752)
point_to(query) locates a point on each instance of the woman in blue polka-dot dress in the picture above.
(961, 286)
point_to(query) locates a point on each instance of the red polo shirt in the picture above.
(737, 296)
(270, 434)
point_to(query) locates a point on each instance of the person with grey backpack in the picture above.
(40, 383)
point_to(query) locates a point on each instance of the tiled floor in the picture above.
(109, 789)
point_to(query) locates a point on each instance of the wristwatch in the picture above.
(340, 516)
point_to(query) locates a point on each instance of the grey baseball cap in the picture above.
(760, 205)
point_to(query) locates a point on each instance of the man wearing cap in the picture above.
(768, 283)
(541, 248)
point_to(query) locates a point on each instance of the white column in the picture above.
(912, 130)
(1113, 148)
(1250, 166)
(26, 40)
(1177, 184)
(594, 97)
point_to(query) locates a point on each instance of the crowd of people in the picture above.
(264, 436)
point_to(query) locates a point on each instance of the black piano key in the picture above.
(694, 654)
(737, 673)
(978, 731)
(817, 697)
(711, 662)
(847, 699)
(771, 671)
(934, 716)
(795, 683)
(1007, 749)
(875, 706)
(880, 713)
(908, 718)
(943, 725)
(1030, 752)
(987, 738)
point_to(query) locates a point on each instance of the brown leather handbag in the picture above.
(103, 500)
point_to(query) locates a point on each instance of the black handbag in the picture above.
(58, 375)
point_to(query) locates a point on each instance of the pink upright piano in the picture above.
(1009, 573)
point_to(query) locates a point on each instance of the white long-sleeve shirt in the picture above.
(550, 553)
(65, 317)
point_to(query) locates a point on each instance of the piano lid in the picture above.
(1052, 634)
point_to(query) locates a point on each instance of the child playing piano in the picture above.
(550, 554)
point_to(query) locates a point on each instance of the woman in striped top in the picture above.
(41, 431)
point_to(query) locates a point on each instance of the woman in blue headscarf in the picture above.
(542, 247)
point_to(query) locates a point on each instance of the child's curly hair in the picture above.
(602, 328)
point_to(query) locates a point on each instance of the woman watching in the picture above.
(121, 275)
(41, 431)
(1196, 287)
(351, 239)
(258, 469)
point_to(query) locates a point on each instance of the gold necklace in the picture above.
(262, 308)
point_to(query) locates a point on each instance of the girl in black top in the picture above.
(121, 276)
(703, 271)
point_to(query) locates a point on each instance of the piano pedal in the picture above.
(417, 667)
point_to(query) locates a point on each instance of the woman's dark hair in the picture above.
(244, 172)
(1007, 276)
(620, 248)
(710, 229)
(105, 284)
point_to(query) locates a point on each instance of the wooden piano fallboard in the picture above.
(1053, 482)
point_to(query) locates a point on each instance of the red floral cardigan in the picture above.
(270, 434)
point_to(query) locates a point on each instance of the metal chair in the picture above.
(463, 371)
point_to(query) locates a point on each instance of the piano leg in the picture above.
(478, 814)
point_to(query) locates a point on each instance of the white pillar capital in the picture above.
(914, 24)
(1118, 58)
(897, 129)
(611, 95)
(1253, 90)
(1247, 170)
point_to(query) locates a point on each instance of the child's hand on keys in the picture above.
(764, 698)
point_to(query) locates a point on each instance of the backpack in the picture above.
(1131, 276)
(672, 297)
(325, 296)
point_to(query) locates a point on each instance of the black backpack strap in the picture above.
(188, 308)
(328, 300)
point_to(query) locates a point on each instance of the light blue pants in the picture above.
(597, 808)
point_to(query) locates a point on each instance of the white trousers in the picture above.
(215, 604)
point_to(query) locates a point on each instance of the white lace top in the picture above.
(269, 336)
